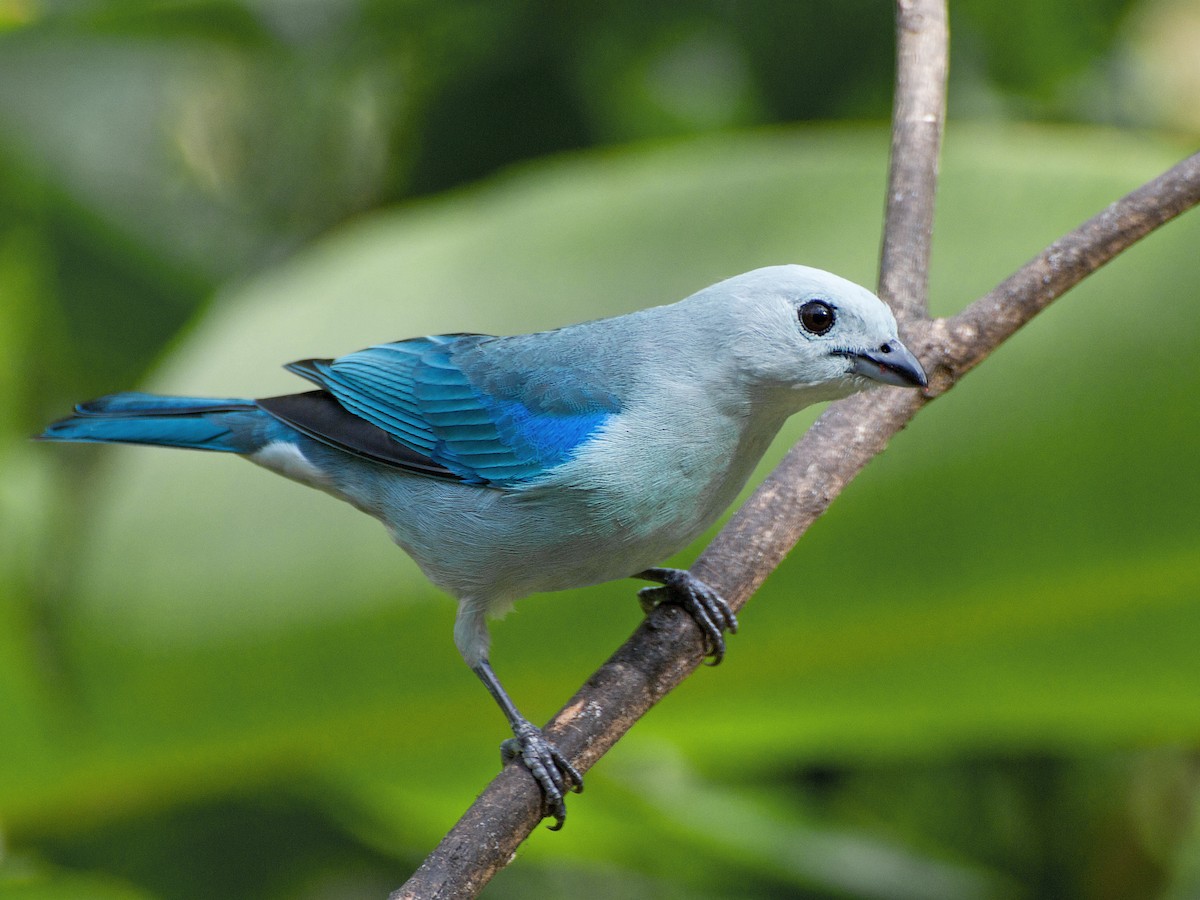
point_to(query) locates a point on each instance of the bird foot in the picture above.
(706, 607)
(546, 763)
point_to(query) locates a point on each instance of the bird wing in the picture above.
(472, 408)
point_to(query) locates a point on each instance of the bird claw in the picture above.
(707, 608)
(546, 763)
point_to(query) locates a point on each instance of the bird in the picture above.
(513, 465)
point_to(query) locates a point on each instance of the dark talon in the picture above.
(551, 770)
(546, 763)
(706, 607)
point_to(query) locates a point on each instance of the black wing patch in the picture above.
(319, 416)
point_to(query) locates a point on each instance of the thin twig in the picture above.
(918, 119)
(964, 341)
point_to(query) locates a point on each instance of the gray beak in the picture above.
(891, 363)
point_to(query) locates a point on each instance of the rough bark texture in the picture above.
(918, 120)
(667, 647)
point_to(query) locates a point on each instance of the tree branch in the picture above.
(853, 431)
(961, 343)
(918, 119)
(667, 647)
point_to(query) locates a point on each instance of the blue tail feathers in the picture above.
(198, 423)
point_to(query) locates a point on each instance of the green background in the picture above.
(976, 676)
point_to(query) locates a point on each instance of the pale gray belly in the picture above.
(597, 520)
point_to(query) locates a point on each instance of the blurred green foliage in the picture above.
(975, 677)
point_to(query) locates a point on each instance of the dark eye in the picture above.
(817, 316)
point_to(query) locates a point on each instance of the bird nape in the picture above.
(507, 466)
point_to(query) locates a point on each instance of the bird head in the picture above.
(815, 334)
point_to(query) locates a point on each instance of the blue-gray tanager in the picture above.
(511, 465)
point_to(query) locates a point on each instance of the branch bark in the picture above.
(961, 343)
(918, 120)
(667, 647)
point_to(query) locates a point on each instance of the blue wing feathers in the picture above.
(489, 411)
(549, 435)
(499, 420)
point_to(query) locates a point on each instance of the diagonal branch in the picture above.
(851, 432)
(964, 341)
(667, 647)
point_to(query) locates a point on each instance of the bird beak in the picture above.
(890, 364)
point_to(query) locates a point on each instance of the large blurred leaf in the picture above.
(1019, 570)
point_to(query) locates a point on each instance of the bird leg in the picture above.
(707, 608)
(546, 763)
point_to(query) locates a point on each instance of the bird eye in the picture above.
(816, 316)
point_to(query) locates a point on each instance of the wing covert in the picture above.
(467, 406)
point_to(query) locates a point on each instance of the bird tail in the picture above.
(198, 423)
